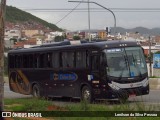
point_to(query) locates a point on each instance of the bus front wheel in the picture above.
(36, 91)
(86, 94)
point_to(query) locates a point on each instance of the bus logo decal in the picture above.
(19, 82)
(64, 76)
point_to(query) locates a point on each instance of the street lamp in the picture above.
(102, 7)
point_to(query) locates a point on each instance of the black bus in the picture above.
(87, 70)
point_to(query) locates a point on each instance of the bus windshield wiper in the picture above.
(126, 63)
(140, 74)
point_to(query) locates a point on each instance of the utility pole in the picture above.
(2, 12)
(89, 23)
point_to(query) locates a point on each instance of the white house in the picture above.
(52, 35)
(11, 34)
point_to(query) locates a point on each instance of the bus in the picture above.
(86, 70)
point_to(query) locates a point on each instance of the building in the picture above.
(30, 33)
(11, 34)
(93, 35)
(157, 39)
(51, 36)
(22, 44)
(153, 49)
(102, 34)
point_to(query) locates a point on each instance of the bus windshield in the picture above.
(125, 62)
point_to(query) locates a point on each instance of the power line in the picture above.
(93, 10)
(68, 13)
(98, 10)
(37, 9)
(103, 11)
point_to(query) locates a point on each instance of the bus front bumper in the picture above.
(113, 94)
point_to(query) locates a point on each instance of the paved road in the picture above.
(10, 94)
(152, 98)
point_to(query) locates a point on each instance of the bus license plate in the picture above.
(132, 95)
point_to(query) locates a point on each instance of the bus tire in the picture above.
(86, 94)
(36, 91)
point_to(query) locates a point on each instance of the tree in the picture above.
(59, 38)
(158, 52)
(76, 38)
(136, 32)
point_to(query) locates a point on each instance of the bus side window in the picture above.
(11, 61)
(87, 59)
(81, 59)
(56, 59)
(42, 60)
(95, 62)
(49, 60)
(21, 61)
(36, 60)
(68, 59)
(25, 61)
(31, 61)
(16, 61)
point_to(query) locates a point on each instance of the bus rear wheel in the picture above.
(86, 94)
(36, 91)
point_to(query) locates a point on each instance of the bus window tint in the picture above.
(81, 59)
(30, 61)
(11, 61)
(36, 60)
(41, 60)
(95, 62)
(16, 61)
(49, 60)
(68, 59)
(21, 61)
(56, 60)
(25, 61)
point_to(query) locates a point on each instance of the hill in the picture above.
(15, 15)
(141, 30)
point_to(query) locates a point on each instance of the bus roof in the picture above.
(66, 45)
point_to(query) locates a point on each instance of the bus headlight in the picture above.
(145, 83)
(113, 86)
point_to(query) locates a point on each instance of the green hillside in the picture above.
(15, 15)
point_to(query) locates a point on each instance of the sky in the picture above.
(137, 17)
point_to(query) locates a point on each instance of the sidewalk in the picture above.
(154, 83)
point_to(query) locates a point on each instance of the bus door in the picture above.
(95, 64)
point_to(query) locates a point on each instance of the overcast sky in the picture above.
(99, 20)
